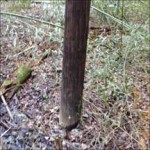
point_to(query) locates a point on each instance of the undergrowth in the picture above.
(118, 65)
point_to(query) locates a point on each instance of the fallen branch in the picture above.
(30, 18)
(27, 49)
(6, 105)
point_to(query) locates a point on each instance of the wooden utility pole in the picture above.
(75, 44)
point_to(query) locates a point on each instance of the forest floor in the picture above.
(116, 89)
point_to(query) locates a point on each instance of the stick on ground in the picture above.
(6, 105)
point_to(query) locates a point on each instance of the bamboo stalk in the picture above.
(30, 18)
(113, 18)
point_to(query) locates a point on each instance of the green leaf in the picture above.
(7, 83)
(23, 73)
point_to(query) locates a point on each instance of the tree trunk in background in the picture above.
(75, 44)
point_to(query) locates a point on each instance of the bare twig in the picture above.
(4, 124)
(27, 49)
(8, 89)
(6, 105)
(5, 132)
